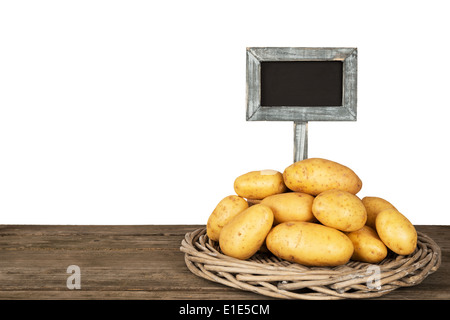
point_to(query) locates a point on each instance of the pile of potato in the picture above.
(310, 215)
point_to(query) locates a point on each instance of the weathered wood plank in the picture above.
(137, 262)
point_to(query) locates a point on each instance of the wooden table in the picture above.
(137, 262)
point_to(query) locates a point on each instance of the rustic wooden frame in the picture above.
(345, 112)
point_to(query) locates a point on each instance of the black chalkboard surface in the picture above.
(301, 83)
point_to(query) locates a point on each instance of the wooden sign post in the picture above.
(301, 85)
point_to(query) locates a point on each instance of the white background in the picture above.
(133, 112)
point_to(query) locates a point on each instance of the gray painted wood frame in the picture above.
(256, 112)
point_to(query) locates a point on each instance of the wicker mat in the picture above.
(268, 275)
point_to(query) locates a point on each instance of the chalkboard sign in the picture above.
(300, 85)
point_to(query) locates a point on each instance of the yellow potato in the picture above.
(339, 209)
(245, 233)
(373, 206)
(316, 175)
(309, 244)
(368, 246)
(259, 184)
(291, 206)
(225, 210)
(396, 231)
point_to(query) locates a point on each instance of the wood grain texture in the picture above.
(137, 262)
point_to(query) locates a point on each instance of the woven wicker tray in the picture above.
(268, 275)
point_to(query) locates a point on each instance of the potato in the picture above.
(339, 209)
(373, 206)
(316, 175)
(368, 246)
(259, 184)
(291, 206)
(396, 231)
(309, 244)
(225, 210)
(245, 233)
